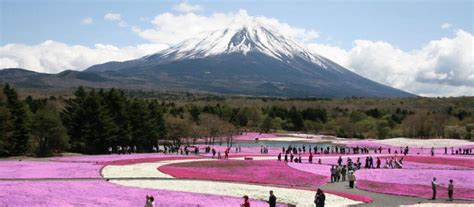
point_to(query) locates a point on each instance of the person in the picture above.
(279, 157)
(333, 174)
(432, 151)
(343, 173)
(320, 198)
(434, 184)
(378, 162)
(246, 202)
(450, 190)
(272, 200)
(351, 177)
(150, 201)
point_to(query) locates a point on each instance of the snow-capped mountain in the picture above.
(245, 34)
(247, 57)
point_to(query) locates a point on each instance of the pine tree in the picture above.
(117, 106)
(5, 127)
(73, 117)
(157, 121)
(20, 138)
(141, 125)
(48, 132)
(98, 127)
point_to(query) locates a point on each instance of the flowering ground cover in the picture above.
(245, 150)
(419, 165)
(145, 160)
(443, 160)
(102, 193)
(263, 172)
(106, 158)
(416, 182)
(412, 143)
(414, 190)
(47, 169)
(202, 181)
(296, 195)
(320, 170)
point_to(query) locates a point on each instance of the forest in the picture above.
(90, 120)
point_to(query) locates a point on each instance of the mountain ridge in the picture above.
(247, 57)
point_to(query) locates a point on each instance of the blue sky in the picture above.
(420, 46)
(405, 24)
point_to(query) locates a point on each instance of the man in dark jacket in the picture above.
(320, 198)
(272, 200)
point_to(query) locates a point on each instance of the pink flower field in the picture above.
(48, 169)
(77, 180)
(262, 172)
(102, 193)
(453, 161)
(417, 190)
(416, 182)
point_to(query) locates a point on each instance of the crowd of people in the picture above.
(340, 172)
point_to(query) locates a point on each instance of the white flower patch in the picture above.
(426, 143)
(149, 170)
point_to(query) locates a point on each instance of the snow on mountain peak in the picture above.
(243, 34)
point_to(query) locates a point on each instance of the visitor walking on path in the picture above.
(434, 184)
(320, 198)
(272, 200)
(450, 190)
(343, 173)
(333, 174)
(351, 177)
(246, 202)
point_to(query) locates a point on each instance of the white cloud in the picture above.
(446, 25)
(87, 20)
(54, 57)
(187, 8)
(113, 17)
(443, 67)
(168, 28)
(8, 63)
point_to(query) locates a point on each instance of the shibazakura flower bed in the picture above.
(102, 193)
(416, 182)
(262, 172)
(414, 190)
(444, 160)
(14, 169)
(299, 195)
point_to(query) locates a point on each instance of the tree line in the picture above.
(93, 120)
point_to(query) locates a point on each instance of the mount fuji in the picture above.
(247, 57)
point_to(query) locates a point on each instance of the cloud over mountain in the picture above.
(441, 67)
